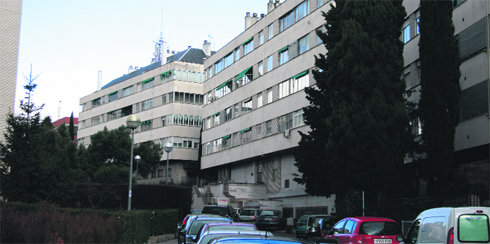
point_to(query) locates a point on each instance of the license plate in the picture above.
(268, 219)
(382, 240)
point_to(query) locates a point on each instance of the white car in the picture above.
(450, 225)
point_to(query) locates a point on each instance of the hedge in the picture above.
(34, 223)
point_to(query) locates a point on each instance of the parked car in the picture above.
(364, 230)
(186, 223)
(270, 219)
(451, 225)
(210, 235)
(222, 227)
(256, 239)
(225, 211)
(248, 214)
(309, 222)
(198, 222)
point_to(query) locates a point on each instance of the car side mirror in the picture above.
(400, 239)
(179, 226)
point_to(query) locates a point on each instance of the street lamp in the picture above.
(133, 122)
(168, 147)
(137, 159)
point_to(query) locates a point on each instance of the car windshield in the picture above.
(216, 210)
(231, 227)
(379, 228)
(247, 212)
(196, 225)
(270, 212)
(303, 219)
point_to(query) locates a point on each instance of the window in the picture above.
(259, 99)
(246, 135)
(304, 44)
(145, 105)
(418, 25)
(226, 142)
(269, 95)
(164, 99)
(247, 106)
(223, 89)
(216, 119)
(260, 68)
(300, 81)
(406, 34)
(237, 54)
(271, 31)
(268, 127)
(283, 89)
(146, 84)
(286, 183)
(285, 122)
(127, 91)
(298, 118)
(219, 66)
(269, 63)
(228, 59)
(320, 3)
(349, 227)
(96, 102)
(112, 96)
(146, 125)
(302, 10)
(244, 77)
(95, 120)
(261, 38)
(164, 121)
(228, 114)
(236, 110)
(473, 228)
(248, 46)
(208, 123)
(318, 39)
(210, 72)
(286, 21)
(283, 55)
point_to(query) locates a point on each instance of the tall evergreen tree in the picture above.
(71, 127)
(357, 113)
(440, 90)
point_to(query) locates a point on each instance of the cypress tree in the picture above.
(357, 113)
(440, 90)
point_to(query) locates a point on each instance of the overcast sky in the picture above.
(69, 41)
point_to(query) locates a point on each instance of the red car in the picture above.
(365, 230)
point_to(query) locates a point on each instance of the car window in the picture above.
(377, 228)
(413, 232)
(196, 225)
(247, 212)
(473, 228)
(349, 227)
(303, 219)
(339, 227)
(433, 229)
(231, 227)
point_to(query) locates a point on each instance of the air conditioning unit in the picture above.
(286, 133)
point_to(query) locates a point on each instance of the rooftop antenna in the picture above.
(160, 53)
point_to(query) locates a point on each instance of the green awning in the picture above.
(239, 76)
(167, 73)
(245, 130)
(283, 49)
(223, 85)
(145, 122)
(300, 74)
(216, 114)
(147, 80)
(247, 41)
(112, 93)
(248, 100)
(226, 137)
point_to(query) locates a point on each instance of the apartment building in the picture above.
(253, 101)
(167, 96)
(471, 22)
(10, 16)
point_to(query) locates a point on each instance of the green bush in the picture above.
(36, 223)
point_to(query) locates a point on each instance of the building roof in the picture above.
(190, 55)
(65, 120)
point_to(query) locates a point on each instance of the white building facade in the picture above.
(167, 97)
(253, 101)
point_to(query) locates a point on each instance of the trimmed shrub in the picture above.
(35, 223)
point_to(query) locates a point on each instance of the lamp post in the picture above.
(137, 159)
(168, 147)
(133, 122)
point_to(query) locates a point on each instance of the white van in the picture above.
(451, 226)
